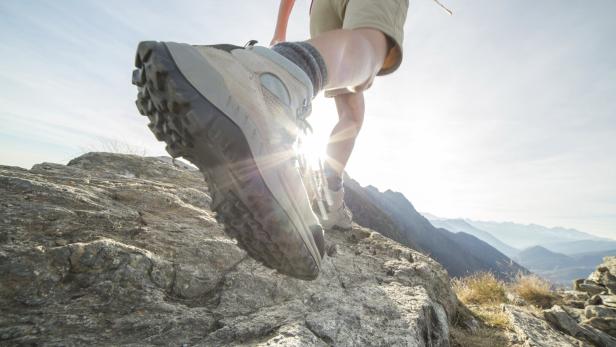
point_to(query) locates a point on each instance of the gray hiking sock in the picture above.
(308, 59)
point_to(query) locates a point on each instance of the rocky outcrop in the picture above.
(585, 316)
(531, 331)
(589, 311)
(605, 275)
(566, 322)
(118, 249)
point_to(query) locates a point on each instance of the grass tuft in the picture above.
(480, 289)
(491, 315)
(534, 290)
(482, 293)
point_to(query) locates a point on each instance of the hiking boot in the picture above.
(338, 215)
(235, 112)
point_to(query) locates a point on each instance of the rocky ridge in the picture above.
(590, 308)
(585, 315)
(393, 215)
(120, 249)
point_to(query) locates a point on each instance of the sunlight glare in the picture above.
(312, 148)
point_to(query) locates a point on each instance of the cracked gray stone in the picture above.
(531, 331)
(124, 250)
(559, 317)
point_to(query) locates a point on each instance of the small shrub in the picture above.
(534, 290)
(480, 288)
(115, 146)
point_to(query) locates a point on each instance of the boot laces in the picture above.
(314, 178)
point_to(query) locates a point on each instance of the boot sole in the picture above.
(193, 128)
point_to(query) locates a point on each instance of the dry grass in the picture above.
(482, 293)
(480, 289)
(534, 290)
(465, 333)
(115, 146)
(491, 315)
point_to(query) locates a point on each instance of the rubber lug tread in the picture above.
(193, 128)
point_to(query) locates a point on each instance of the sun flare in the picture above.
(313, 149)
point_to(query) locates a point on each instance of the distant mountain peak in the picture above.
(555, 253)
(537, 249)
(461, 254)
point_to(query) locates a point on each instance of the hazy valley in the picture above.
(560, 255)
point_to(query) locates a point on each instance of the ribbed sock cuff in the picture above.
(308, 59)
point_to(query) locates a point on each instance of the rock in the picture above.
(530, 331)
(576, 304)
(466, 320)
(609, 281)
(575, 313)
(607, 325)
(560, 319)
(597, 324)
(576, 284)
(574, 295)
(291, 335)
(601, 317)
(592, 288)
(606, 274)
(607, 300)
(124, 250)
(594, 300)
(178, 163)
(608, 265)
(602, 339)
(574, 298)
(599, 311)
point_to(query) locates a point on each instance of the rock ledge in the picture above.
(119, 249)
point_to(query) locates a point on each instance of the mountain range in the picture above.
(581, 246)
(527, 235)
(560, 268)
(460, 225)
(393, 215)
(557, 254)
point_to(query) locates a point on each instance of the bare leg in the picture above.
(352, 57)
(342, 139)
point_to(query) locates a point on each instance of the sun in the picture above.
(313, 149)
(314, 145)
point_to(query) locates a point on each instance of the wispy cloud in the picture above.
(504, 111)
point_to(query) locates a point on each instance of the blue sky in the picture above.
(505, 111)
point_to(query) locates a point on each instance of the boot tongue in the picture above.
(289, 66)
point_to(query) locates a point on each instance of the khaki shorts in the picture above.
(388, 16)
